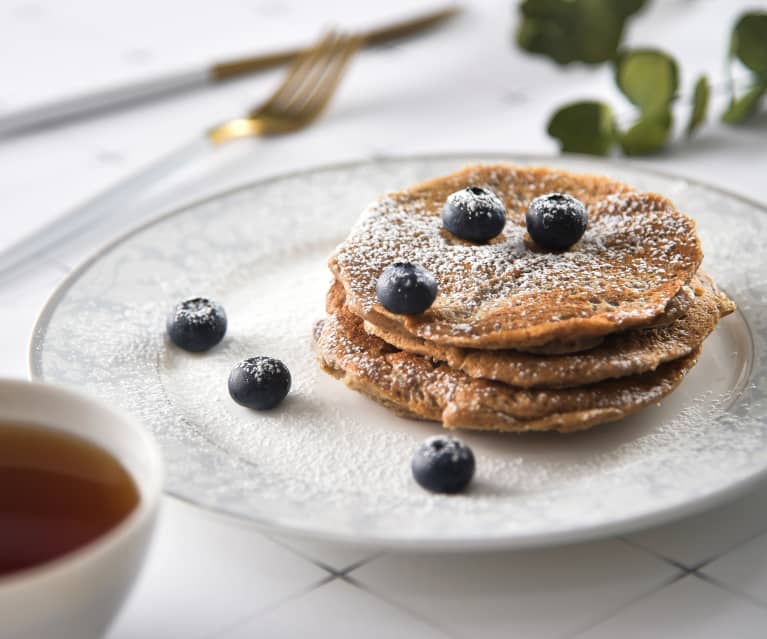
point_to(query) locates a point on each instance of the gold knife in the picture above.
(119, 97)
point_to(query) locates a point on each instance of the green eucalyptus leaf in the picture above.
(560, 10)
(648, 78)
(584, 127)
(574, 30)
(627, 8)
(699, 104)
(597, 31)
(649, 135)
(749, 42)
(547, 38)
(745, 106)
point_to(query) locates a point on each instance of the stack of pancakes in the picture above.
(521, 338)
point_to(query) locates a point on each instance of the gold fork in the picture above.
(297, 102)
(303, 95)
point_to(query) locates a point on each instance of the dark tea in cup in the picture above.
(58, 492)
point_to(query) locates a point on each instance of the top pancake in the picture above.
(636, 254)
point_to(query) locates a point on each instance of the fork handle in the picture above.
(116, 204)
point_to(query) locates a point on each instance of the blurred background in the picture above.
(464, 86)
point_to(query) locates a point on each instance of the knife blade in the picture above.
(123, 96)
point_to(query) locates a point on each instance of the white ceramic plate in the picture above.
(332, 464)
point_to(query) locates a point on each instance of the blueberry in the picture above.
(259, 382)
(406, 289)
(474, 214)
(443, 464)
(556, 221)
(197, 324)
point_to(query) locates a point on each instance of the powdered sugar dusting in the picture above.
(476, 201)
(330, 462)
(260, 368)
(636, 253)
(198, 311)
(440, 445)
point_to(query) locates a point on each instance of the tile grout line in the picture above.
(628, 604)
(320, 564)
(738, 545)
(358, 564)
(694, 568)
(222, 632)
(415, 615)
(727, 588)
(657, 555)
(239, 524)
(335, 572)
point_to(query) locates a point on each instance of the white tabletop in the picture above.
(464, 88)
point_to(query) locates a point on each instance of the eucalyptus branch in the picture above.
(590, 31)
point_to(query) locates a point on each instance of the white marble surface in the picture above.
(462, 88)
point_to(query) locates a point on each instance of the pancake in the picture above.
(637, 253)
(391, 331)
(676, 308)
(417, 386)
(619, 355)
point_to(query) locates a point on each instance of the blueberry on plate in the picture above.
(474, 214)
(259, 382)
(443, 464)
(556, 221)
(406, 289)
(196, 324)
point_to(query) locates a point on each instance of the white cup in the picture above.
(77, 595)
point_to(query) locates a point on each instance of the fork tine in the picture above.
(313, 75)
(297, 73)
(316, 98)
(301, 96)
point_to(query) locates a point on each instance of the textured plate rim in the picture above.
(485, 542)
